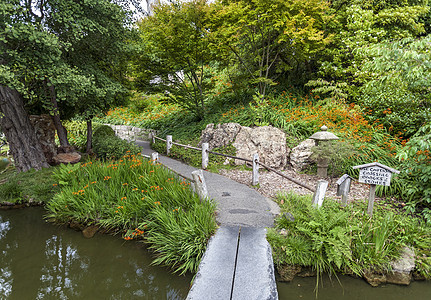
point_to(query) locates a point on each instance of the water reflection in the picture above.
(352, 289)
(42, 261)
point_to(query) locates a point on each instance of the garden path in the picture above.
(238, 261)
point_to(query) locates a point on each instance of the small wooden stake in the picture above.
(255, 175)
(155, 156)
(168, 144)
(319, 194)
(371, 199)
(200, 185)
(205, 155)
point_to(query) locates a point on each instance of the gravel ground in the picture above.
(270, 184)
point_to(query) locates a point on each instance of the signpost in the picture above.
(374, 174)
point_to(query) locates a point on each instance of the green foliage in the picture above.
(11, 191)
(175, 52)
(365, 23)
(179, 237)
(113, 147)
(401, 111)
(338, 154)
(264, 39)
(36, 186)
(77, 133)
(71, 52)
(144, 102)
(142, 200)
(344, 239)
(103, 131)
(416, 171)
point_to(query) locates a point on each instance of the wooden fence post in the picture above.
(205, 155)
(319, 194)
(155, 156)
(200, 185)
(168, 144)
(371, 198)
(153, 139)
(255, 176)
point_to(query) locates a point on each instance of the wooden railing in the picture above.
(319, 191)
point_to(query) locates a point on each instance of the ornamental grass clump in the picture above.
(140, 199)
(336, 239)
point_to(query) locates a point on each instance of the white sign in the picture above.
(375, 175)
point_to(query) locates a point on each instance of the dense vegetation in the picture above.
(360, 67)
(141, 199)
(344, 239)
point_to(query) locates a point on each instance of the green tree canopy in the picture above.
(63, 56)
(175, 51)
(266, 39)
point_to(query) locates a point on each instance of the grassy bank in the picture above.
(132, 197)
(338, 239)
(141, 200)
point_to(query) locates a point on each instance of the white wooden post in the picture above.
(200, 185)
(343, 188)
(153, 139)
(205, 155)
(155, 156)
(319, 194)
(255, 176)
(168, 144)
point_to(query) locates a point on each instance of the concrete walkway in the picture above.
(238, 261)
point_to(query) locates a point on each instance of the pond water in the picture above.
(352, 289)
(44, 261)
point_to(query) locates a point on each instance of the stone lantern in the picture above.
(322, 162)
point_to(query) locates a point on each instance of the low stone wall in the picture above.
(132, 133)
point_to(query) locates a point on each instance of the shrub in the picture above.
(344, 239)
(11, 191)
(141, 200)
(77, 133)
(141, 102)
(112, 147)
(415, 174)
(103, 131)
(397, 108)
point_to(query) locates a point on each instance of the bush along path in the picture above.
(141, 200)
(390, 247)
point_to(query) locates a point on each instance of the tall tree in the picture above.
(265, 39)
(175, 50)
(60, 56)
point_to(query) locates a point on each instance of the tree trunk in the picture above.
(15, 124)
(61, 131)
(89, 136)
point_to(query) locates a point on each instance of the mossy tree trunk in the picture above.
(20, 134)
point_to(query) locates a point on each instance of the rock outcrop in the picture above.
(220, 135)
(269, 142)
(300, 155)
(402, 268)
